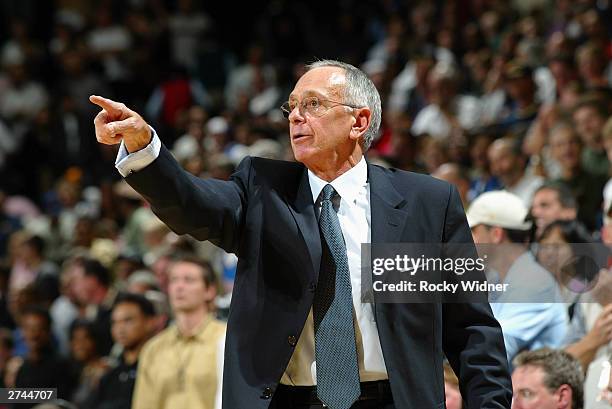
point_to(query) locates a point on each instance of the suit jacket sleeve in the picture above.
(207, 209)
(472, 337)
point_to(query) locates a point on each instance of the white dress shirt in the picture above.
(355, 221)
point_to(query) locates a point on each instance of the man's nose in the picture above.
(296, 116)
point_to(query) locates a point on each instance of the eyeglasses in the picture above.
(312, 106)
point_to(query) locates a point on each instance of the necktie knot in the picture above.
(328, 192)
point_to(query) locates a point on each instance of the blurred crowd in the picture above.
(101, 300)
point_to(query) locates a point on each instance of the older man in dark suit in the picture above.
(298, 334)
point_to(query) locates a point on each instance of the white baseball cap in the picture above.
(498, 208)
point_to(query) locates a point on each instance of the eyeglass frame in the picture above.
(285, 109)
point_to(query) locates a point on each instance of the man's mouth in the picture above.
(300, 136)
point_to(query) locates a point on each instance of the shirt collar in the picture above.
(347, 185)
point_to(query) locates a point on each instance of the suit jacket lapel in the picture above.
(386, 204)
(302, 209)
(388, 215)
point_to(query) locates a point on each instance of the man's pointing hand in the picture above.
(116, 122)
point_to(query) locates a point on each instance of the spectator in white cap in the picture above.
(217, 130)
(529, 310)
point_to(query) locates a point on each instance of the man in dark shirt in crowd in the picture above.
(132, 326)
(522, 105)
(42, 366)
(589, 116)
(566, 149)
(552, 201)
(91, 285)
(31, 255)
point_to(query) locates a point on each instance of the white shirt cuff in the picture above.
(126, 162)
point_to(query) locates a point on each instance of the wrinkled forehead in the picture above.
(325, 82)
(529, 374)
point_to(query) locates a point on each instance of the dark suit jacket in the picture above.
(265, 214)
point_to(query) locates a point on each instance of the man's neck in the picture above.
(513, 179)
(36, 355)
(569, 173)
(338, 168)
(130, 356)
(188, 321)
(503, 261)
(99, 296)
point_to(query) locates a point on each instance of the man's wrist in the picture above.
(127, 162)
(135, 146)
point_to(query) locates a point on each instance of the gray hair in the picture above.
(559, 367)
(359, 91)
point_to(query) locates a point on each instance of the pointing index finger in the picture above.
(110, 106)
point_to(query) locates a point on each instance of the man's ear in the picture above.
(211, 293)
(564, 396)
(151, 324)
(363, 117)
(497, 234)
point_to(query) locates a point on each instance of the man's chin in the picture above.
(184, 307)
(303, 155)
